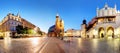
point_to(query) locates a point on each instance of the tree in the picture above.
(25, 30)
(19, 29)
(40, 32)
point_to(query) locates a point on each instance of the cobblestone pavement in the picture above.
(55, 45)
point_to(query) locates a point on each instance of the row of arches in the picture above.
(109, 32)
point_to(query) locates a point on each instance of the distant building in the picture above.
(9, 23)
(105, 24)
(57, 30)
(72, 32)
(69, 32)
(76, 33)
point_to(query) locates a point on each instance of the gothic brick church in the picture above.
(57, 30)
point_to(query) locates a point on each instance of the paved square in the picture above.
(55, 45)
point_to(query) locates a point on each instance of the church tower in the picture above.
(57, 23)
(57, 29)
(62, 27)
(83, 28)
(59, 26)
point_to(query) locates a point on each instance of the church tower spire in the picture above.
(18, 15)
(106, 5)
(115, 6)
(57, 15)
(57, 20)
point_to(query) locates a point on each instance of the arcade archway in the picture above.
(101, 32)
(110, 32)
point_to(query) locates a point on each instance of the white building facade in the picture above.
(105, 24)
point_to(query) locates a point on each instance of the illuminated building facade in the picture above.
(105, 24)
(9, 23)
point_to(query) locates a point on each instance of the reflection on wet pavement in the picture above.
(22, 45)
(68, 45)
(94, 45)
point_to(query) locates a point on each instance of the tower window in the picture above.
(60, 25)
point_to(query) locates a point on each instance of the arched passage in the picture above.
(110, 32)
(101, 32)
